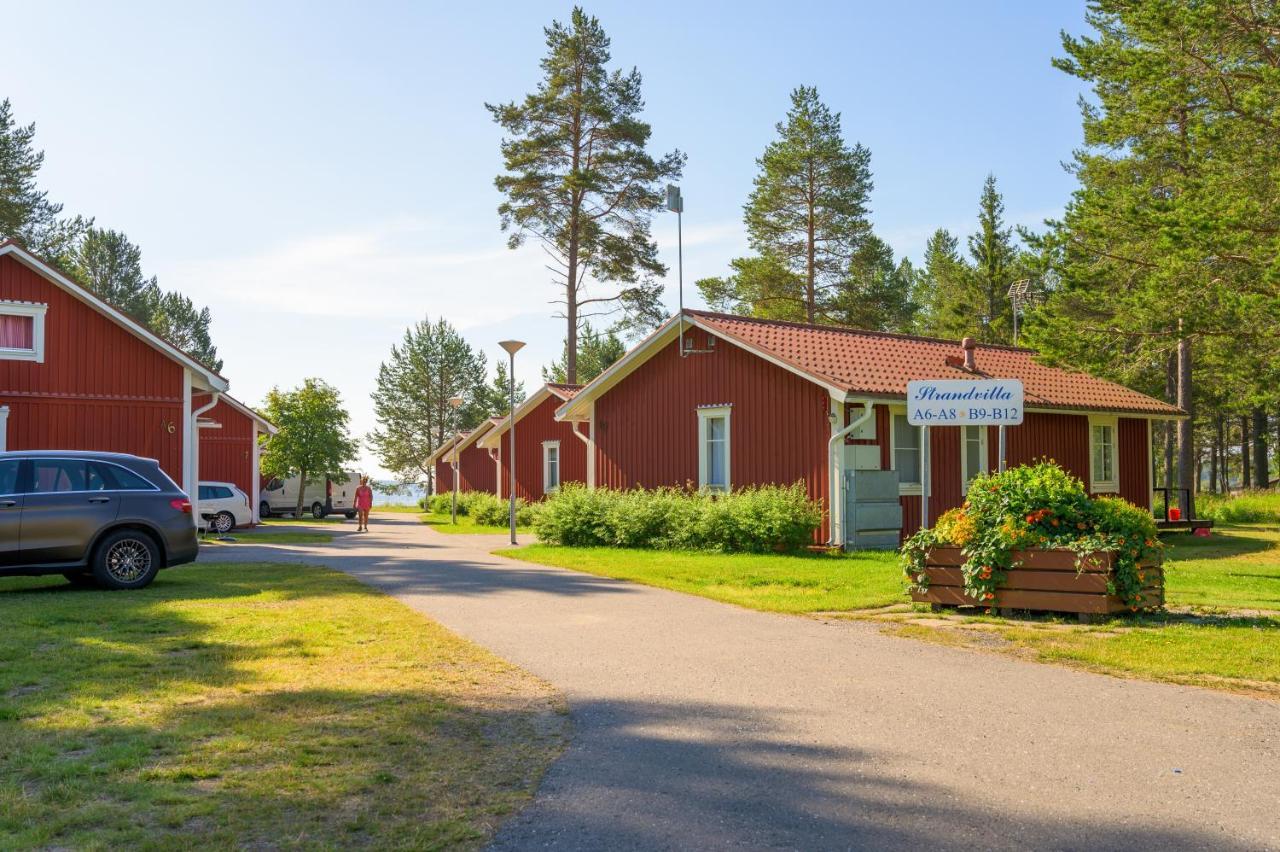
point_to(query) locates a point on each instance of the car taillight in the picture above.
(181, 504)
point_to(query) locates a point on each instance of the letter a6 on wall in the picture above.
(964, 402)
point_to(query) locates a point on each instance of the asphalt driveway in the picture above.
(701, 725)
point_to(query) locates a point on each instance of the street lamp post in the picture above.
(455, 402)
(512, 347)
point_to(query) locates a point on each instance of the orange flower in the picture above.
(988, 596)
(1054, 522)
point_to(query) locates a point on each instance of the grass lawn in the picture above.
(255, 706)
(1223, 630)
(442, 523)
(773, 582)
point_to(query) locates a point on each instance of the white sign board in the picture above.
(964, 402)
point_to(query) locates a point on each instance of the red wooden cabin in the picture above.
(230, 444)
(548, 452)
(77, 374)
(475, 465)
(757, 401)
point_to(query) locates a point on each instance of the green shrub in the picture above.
(1247, 507)
(490, 511)
(753, 519)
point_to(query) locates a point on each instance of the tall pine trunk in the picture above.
(1213, 462)
(811, 287)
(1261, 464)
(1246, 465)
(1186, 433)
(1171, 397)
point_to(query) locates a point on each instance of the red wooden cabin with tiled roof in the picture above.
(475, 465)
(548, 451)
(754, 401)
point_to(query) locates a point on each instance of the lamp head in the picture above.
(455, 401)
(511, 346)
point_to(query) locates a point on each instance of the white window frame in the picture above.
(705, 415)
(26, 309)
(905, 489)
(1110, 486)
(547, 446)
(985, 460)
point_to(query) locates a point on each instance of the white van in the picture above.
(322, 496)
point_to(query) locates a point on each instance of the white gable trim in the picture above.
(493, 437)
(213, 381)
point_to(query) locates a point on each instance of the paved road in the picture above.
(701, 725)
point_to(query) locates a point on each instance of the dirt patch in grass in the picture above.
(256, 706)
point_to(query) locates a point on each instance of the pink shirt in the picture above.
(364, 497)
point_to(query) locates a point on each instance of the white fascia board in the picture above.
(211, 380)
(578, 409)
(493, 436)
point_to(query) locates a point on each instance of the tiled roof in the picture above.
(881, 364)
(564, 391)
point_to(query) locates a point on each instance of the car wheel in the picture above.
(126, 559)
(351, 516)
(317, 511)
(224, 522)
(264, 510)
(80, 578)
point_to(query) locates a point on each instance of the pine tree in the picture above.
(497, 394)
(176, 318)
(431, 365)
(579, 181)
(994, 267)
(878, 293)
(26, 213)
(760, 286)
(110, 267)
(808, 212)
(940, 288)
(597, 351)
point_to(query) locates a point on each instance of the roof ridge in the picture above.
(845, 329)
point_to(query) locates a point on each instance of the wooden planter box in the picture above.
(1047, 580)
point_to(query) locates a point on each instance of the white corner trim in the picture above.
(36, 311)
(4, 427)
(706, 414)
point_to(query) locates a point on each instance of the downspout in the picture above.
(573, 427)
(837, 484)
(194, 496)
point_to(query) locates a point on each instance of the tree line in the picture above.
(101, 260)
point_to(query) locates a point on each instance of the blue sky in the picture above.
(321, 174)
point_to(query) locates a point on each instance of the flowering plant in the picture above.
(1039, 505)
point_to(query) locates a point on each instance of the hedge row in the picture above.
(483, 508)
(754, 519)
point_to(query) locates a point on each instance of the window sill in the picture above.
(21, 355)
(1105, 488)
(910, 490)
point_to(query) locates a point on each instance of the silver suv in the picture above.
(104, 518)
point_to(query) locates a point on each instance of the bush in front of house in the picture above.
(1036, 506)
(490, 511)
(755, 519)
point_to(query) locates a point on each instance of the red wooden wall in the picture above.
(475, 471)
(226, 454)
(537, 426)
(100, 387)
(647, 424)
(1133, 443)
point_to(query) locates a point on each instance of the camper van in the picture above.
(322, 496)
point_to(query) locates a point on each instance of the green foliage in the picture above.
(26, 213)
(177, 319)
(1249, 507)
(1037, 506)
(490, 511)
(311, 440)
(763, 286)
(431, 365)
(110, 267)
(495, 398)
(757, 519)
(579, 181)
(878, 293)
(597, 351)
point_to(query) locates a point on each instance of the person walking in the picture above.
(364, 502)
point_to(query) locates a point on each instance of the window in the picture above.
(9, 477)
(973, 456)
(127, 480)
(61, 476)
(22, 331)
(1102, 454)
(550, 466)
(906, 454)
(713, 448)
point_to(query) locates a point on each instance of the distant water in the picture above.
(401, 496)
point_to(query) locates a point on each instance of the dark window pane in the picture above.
(126, 480)
(8, 477)
(52, 476)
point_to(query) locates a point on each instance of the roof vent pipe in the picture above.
(968, 346)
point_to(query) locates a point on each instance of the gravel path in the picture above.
(702, 725)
